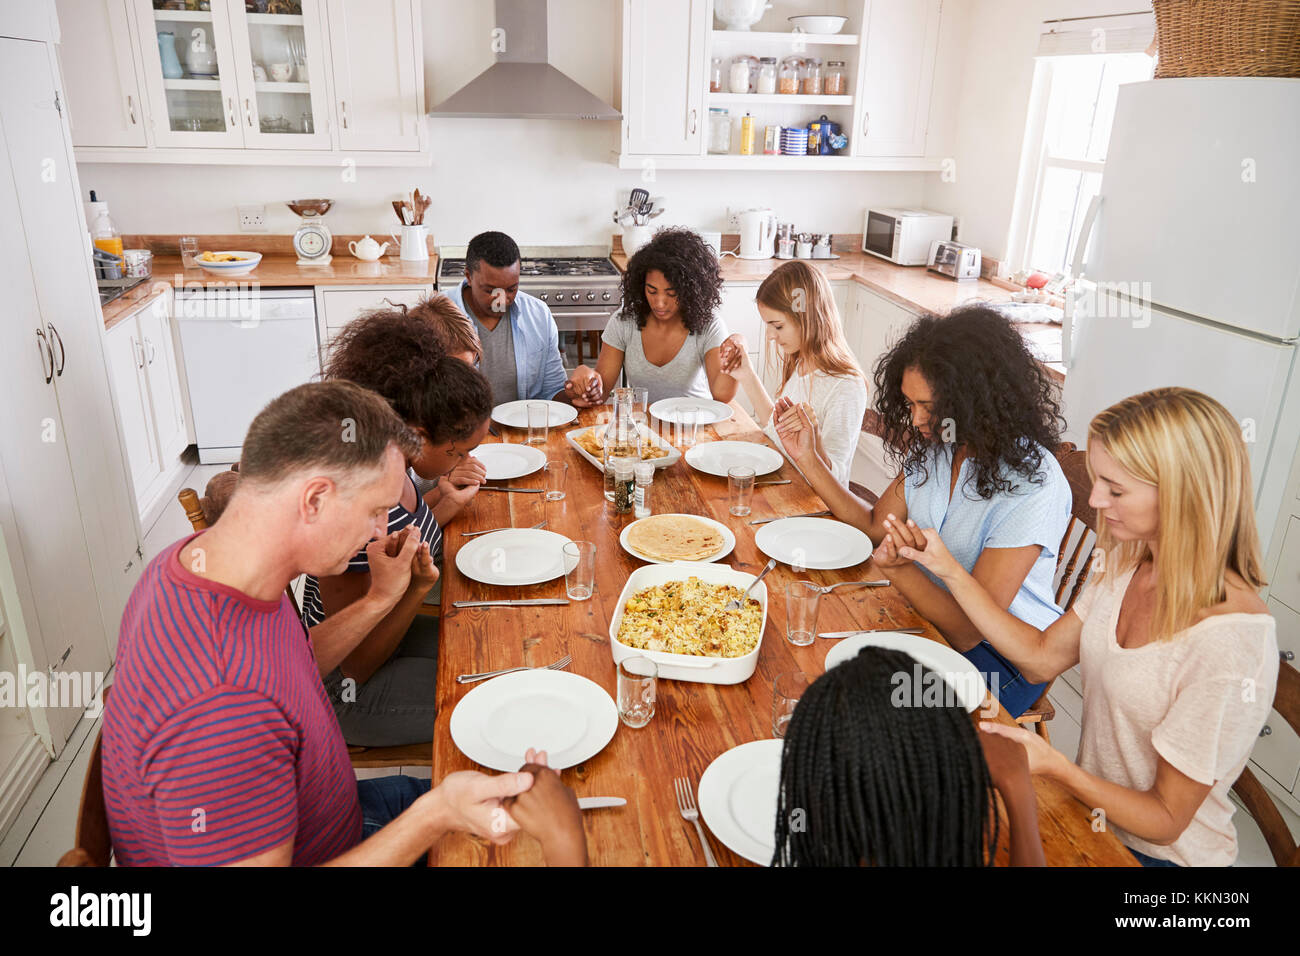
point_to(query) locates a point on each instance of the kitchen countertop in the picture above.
(274, 271)
(911, 287)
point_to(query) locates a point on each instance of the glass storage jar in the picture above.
(787, 77)
(766, 82)
(719, 130)
(834, 81)
(811, 80)
(740, 77)
(715, 75)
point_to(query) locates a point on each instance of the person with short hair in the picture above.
(1178, 653)
(219, 744)
(455, 328)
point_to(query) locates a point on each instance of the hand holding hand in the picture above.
(585, 387)
(1041, 756)
(549, 812)
(733, 356)
(391, 560)
(798, 435)
(472, 802)
(924, 546)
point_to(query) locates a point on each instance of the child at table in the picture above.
(1178, 653)
(867, 783)
(817, 367)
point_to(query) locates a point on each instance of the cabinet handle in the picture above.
(139, 352)
(56, 337)
(1267, 731)
(130, 108)
(44, 345)
(343, 109)
(692, 128)
(1287, 655)
(230, 113)
(153, 353)
(248, 111)
(866, 123)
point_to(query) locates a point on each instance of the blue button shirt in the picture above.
(539, 372)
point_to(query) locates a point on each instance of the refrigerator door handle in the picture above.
(1076, 271)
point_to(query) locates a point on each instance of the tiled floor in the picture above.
(44, 828)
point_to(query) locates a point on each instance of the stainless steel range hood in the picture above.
(522, 84)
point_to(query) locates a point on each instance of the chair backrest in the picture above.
(189, 499)
(94, 842)
(1257, 801)
(1074, 557)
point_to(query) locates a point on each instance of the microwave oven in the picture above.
(904, 236)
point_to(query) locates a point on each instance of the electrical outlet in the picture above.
(252, 218)
(732, 218)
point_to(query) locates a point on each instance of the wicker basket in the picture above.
(1228, 37)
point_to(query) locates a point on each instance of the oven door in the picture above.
(580, 330)
(880, 235)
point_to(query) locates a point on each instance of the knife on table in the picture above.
(810, 514)
(596, 803)
(836, 635)
(528, 602)
(522, 491)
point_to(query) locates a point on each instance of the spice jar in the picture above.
(715, 75)
(739, 79)
(624, 484)
(645, 476)
(766, 82)
(787, 77)
(811, 82)
(835, 82)
(719, 130)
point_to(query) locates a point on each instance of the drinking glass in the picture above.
(556, 472)
(579, 569)
(740, 480)
(802, 601)
(640, 403)
(637, 687)
(189, 249)
(786, 691)
(539, 420)
(687, 420)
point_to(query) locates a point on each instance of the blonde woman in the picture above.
(818, 371)
(1178, 653)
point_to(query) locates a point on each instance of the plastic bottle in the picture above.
(645, 475)
(747, 135)
(102, 231)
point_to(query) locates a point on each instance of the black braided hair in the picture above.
(866, 782)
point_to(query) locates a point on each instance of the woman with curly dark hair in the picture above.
(383, 690)
(666, 337)
(971, 419)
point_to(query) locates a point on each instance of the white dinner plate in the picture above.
(738, 797)
(514, 556)
(821, 544)
(711, 412)
(515, 414)
(570, 717)
(728, 541)
(964, 678)
(715, 457)
(505, 460)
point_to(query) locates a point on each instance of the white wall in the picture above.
(541, 181)
(1002, 39)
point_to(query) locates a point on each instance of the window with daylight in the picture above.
(1076, 80)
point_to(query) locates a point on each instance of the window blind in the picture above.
(1122, 33)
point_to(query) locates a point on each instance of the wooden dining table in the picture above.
(693, 723)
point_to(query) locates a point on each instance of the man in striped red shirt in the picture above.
(219, 743)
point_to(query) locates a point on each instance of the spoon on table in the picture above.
(735, 604)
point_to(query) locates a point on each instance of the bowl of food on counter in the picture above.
(228, 262)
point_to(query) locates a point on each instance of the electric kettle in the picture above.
(757, 233)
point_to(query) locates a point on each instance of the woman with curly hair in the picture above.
(971, 419)
(383, 690)
(666, 337)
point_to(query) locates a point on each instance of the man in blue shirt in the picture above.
(520, 356)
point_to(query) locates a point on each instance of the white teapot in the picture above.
(367, 249)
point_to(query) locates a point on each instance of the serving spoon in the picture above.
(735, 604)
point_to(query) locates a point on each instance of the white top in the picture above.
(681, 376)
(1199, 700)
(839, 401)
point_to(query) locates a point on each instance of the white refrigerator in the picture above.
(1192, 264)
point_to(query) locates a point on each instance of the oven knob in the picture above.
(543, 296)
(605, 296)
(591, 297)
(575, 297)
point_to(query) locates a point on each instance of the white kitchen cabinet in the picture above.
(101, 82)
(663, 77)
(900, 47)
(336, 306)
(1277, 752)
(164, 377)
(378, 87)
(126, 366)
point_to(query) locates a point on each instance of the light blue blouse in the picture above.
(1030, 514)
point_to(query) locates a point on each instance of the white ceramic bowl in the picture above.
(248, 262)
(704, 670)
(740, 14)
(822, 26)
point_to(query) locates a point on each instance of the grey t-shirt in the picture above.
(498, 361)
(682, 376)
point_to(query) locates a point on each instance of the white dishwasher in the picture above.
(242, 348)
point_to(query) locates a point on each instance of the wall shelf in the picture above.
(191, 84)
(777, 99)
(789, 39)
(734, 161)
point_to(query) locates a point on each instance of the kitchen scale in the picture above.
(313, 240)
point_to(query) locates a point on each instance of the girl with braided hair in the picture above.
(865, 782)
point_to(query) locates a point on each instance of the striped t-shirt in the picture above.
(313, 610)
(219, 742)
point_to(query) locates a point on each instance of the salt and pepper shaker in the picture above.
(645, 475)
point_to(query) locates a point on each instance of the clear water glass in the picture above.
(787, 689)
(688, 419)
(539, 420)
(189, 249)
(579, 569)
(802, 602)
(740, 481)
(638, 679)
(556, 473)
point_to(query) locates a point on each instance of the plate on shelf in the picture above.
(515, 414)
(711, 412)
(724, 548)
(663, 461)
(738, 798)
(820, 544)
(567, 715)
(961, 675)
(513, 557)
(505, 460)
(241, 263)
(715, 457)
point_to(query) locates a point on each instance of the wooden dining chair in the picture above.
(1073, 561)
(94, 842)
(1257, 801)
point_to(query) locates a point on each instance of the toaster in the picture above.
(954, 259)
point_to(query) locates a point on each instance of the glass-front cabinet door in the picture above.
(190, 72)
(280, 68)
